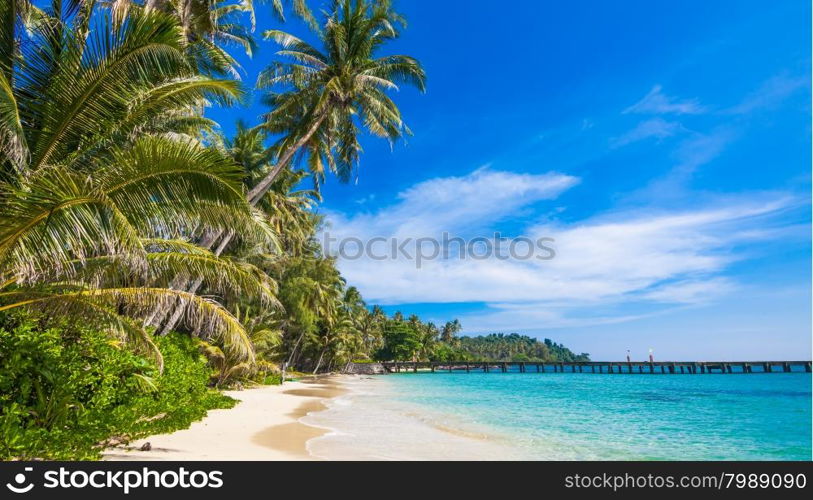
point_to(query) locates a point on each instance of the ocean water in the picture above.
(530, 416)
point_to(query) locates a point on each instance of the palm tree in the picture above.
(324, 94)
(323, 284)
(266, 340)
(211, 26)
(104, 184)
(329, 95)
(13, 12)
(449, 331)
(428, 338)
(370, 326)
(286, 210)
(289, 209)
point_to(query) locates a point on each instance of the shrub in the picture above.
(64, 390)
(273, 379)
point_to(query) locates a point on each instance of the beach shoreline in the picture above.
(264, 425)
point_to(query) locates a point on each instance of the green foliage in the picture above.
(412, 340)
(562, 353)
(106, 183)
(114, 188)
(515, 347)
(401, 342)
(273, 379)
(445, 352)
(65, 390)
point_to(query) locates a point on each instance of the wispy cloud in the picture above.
(690, 291)
(468, 203)
(660, 254)
(365, 199)
(771, 93)
(696, 149)
(665, 257)
(690, 153)
(657, 128)
(700, 149)
(656, 102)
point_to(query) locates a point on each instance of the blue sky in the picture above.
(664, 146)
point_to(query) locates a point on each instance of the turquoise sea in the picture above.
(569, 417)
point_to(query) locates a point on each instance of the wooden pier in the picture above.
(606, 367)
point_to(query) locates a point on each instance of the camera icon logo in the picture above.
(19, 479)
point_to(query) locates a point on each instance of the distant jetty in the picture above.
(607, 367)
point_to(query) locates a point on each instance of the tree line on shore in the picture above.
(410, 339)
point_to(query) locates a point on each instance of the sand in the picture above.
(264, 425)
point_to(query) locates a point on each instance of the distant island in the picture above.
(516, 347)
(412, 340)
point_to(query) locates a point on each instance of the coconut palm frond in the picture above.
(206, 318)
(59, 301)
(90, 85)
(59, 217)
(13, 147)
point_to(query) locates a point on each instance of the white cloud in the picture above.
(702, 148)
(632, 257)
(691, 153)
(467, 203)
(366, 199)
(656, 102)
(771, 93)
(657, 128)
(690, 291)
(509, 317)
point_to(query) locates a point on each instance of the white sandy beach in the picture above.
(285, 422)
(264, 425)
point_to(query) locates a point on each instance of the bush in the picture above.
(64, 390)
(273, 379)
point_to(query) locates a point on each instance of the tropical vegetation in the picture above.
(66, 392)
(413, 340)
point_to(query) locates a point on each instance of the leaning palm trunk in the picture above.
(193, 288)
(296, 346)
(257, 192)
(319, 363)
(298, 357)
(254, 196)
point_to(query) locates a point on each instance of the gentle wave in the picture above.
(371, 423)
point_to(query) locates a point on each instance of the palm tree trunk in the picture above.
(319, 363)
(257, 192)
(298, 357)
(179, 308)
(296, 346)
(254, 196)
